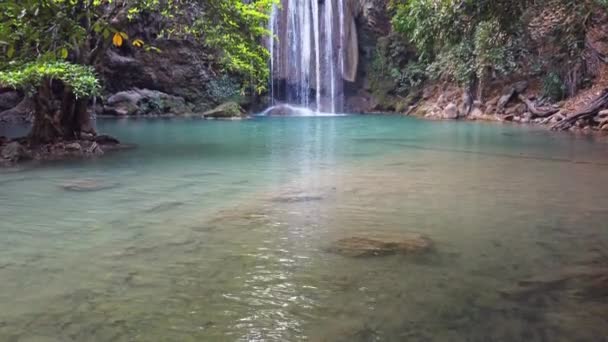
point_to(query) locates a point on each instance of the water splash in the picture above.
(291, 110)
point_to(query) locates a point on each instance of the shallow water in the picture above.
(218, 231)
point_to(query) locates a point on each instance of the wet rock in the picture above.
(381, 245)
(73, 147)
(15, 152)
(106, 140)
(94, 149)
(88, 185)
(450, 111)
(225, 111)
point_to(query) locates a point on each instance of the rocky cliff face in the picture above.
(181, 69)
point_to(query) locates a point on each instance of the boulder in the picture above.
(145, 102)
(15, 152)
(467, 104)
(22, 112)
(381, 245)
(450, 111)
(9, 99)
(477, 114)
(227, 110)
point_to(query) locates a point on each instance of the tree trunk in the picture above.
(66, 121)
(46, 126)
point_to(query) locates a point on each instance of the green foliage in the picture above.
(81, 79)
(236, 28)
(553, 87)
(80, 31)
(454, 64)
(469, 41)
(410, 77)
(224, 89)
(492, 49)
(463, 40)
(603, 3)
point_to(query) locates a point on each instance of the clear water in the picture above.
(199, 240)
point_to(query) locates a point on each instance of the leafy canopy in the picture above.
(81, 79)
(80, 31)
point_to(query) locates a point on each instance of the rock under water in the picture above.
(381, 245)
(88, 185)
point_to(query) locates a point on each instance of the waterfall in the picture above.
(307, 63)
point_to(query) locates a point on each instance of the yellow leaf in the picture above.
(138, 43)
(117, 40)
(63, 53)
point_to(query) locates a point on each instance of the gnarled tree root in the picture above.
(599, 103)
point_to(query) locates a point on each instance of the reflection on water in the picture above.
(219, 231)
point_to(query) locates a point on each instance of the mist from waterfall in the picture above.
(307, 63)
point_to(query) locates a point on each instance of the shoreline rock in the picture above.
(18, 150)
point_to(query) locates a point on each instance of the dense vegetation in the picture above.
(46, 46)
(470, 42)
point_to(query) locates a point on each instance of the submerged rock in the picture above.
(88, 185)
(297, 199)
(381, 245)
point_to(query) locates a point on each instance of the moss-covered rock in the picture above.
(228, 110)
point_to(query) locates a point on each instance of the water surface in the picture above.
(218, 231)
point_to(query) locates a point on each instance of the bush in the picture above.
(454, 64)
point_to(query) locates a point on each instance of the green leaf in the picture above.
(63, 53)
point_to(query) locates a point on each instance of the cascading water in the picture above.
(307, 64)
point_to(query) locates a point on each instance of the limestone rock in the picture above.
(145, 102)
(73, 147)
(225, 111)
(183, 69)
(450, 111)
(22, 112)
(381, 245)
(14, 152)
